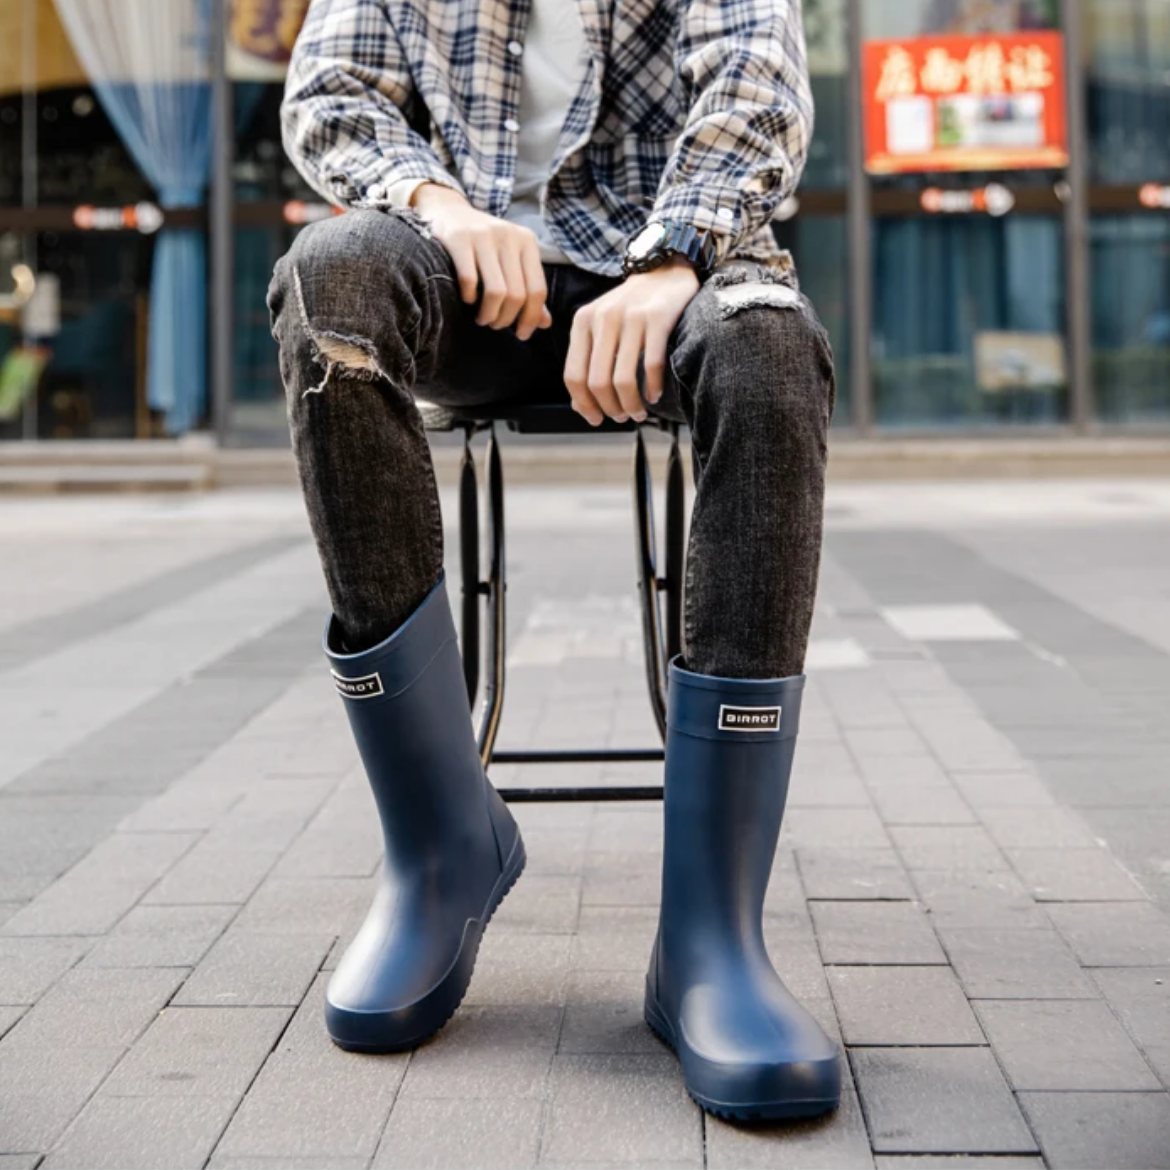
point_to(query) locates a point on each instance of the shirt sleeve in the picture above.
(744, 71)
(346, 103)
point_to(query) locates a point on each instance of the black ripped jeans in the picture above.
(367, 313)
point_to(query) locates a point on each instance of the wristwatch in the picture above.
(660, 239)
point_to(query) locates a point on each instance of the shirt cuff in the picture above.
(398, 194)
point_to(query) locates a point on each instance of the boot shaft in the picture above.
(729, 753)
(407, 706)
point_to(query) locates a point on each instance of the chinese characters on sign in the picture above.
(965, 103)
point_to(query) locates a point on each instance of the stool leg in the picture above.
(497, 585)
(648, 583)
(469, 567)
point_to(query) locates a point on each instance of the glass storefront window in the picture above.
(969, 321)
(72, 364)
(1131, 317)
(910, 18)
(820, 246)
(1128, 106)
(826, 34)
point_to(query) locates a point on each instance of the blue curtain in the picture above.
(167, 129)
(148, 62)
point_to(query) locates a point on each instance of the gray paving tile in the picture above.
(938, 1101)
(260, 1162)
(245, 969)
(29, 966)
(947, 847)
(989, 790)
(1069, 1044)
(161, 936)
(829, 828)
(1086, 1131)
(8, 1017)
(1037, 828)
(603, 1015)
(978, 900)
(19, 1161)
(959, 1162)
(648, 1117)
(798, 963)
(125, 1133)
(493, 1051)
(1128, 934)
(102, 887)
(630, 878)
(853, 875)
(217, 871)
(867, 743)
(615, 938)
(1074, 875)
(199, 1052)
(97, 1008)
(306, 905)
(450, 1135)
(41, 1091)
(891, 933)
(1015, 964)
(837, 1142)
(311, 1100)
(527, 969)
(921, 804)
(1141, 998)
(231, 860)
(906, 1006)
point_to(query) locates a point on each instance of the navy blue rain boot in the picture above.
(452, 848)
(748, 1050)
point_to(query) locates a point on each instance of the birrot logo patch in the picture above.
(368, 687)
(749, 718)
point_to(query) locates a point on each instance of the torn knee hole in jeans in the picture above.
(338, 353)
(752, 286)
(755, 294)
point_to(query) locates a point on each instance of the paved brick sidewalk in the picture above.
(973, 887)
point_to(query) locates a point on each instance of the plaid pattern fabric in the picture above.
(691, 110)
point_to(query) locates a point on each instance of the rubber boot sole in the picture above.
(436, 1008)
(740, 1111)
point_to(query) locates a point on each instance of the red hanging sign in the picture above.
(959, 103)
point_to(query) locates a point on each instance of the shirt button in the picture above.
(511, 124)
(515, 48)
(725, 213)
(503, 182)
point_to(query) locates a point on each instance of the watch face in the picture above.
(647, 240)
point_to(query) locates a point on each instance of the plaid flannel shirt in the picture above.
(691, 110)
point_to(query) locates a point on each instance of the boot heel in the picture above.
(656, 1021)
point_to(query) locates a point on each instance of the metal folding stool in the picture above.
(660, 596)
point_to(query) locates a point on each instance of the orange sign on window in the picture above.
(952, 103)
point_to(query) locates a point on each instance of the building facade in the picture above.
(984, 222)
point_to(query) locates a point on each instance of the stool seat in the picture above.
(523, 418)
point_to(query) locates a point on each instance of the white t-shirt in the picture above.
(551, 70)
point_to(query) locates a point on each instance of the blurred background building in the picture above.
(984, 222)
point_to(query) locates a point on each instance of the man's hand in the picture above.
(612, 332)
(505, 256)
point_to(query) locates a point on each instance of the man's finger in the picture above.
(509, 255)
(535, 306)
(606, 335)
(577, 370)
(467, 273)
(625, 368)
(495, 288)
(654, 361)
